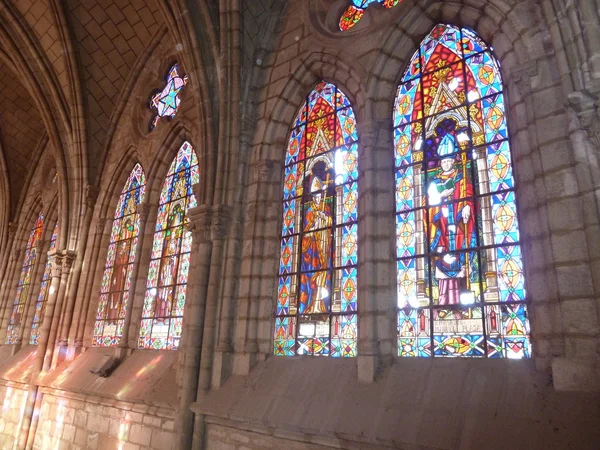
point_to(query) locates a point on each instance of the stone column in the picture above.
(67, 259)
(86, 299)
(200, 226)
(29, 420)
(248, 310)
(66, 319)
(219, 229)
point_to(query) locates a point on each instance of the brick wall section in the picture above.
(13, 400)
(77, 424)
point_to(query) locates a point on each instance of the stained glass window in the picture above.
(24, 283)
(356, 10)
(40, 305)
(461, 287)
(164, 302)
(166, 102)
(317, 291)
(116, 281)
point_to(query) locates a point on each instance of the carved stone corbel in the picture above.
(522, 77)
(68, 258)
(586, 105)
(221, 222)
(91, 195)
(200, 220)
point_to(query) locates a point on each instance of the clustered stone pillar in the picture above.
(29, 420)
(199, 226)
(82, 312)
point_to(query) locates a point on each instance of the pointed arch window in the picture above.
(316, 310)
(461, 287)
(164, 302)
(24, 283)
(40, 305)
(116, 281)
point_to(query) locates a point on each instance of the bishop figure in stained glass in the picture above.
(451, 222)
(316, 249)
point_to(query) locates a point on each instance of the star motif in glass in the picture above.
(167, 102)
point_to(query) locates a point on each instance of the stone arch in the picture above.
(539, 137)
(264, 182)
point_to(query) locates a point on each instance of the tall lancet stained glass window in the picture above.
(461, 287)
(316, 310)
(164, 302)
(116, 282)
(40, 305)
(24, 283)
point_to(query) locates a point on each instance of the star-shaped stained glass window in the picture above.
(356, 10)
(166, 102)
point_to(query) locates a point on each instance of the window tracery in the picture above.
(24, 282)
(40, 305)
(116, 281)
(316, 310)
(166, 102)
(162, 315)
(461, 287)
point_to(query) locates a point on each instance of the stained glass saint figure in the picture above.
(166, 102)
(116, 280)
(40, 305)
(25, 280)
(317, 295)
(164, 303)
(461, 286)
(451, 222)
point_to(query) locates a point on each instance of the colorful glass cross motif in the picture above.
(316, 310)
(461, 287)
(116, 281)
(24, 283)
(162, 315)
(356, 10)
(167, 102)
(40, 305)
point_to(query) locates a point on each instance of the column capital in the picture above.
(221, 222)
(522, 77)
(68, 258)
(200, 219)
(56, 263)
(586, 105)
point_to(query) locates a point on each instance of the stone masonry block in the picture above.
(139, 434)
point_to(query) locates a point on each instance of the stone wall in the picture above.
(85, 423)
(12, 400)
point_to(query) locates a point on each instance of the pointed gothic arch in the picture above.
(461, 286)
(316, 310)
